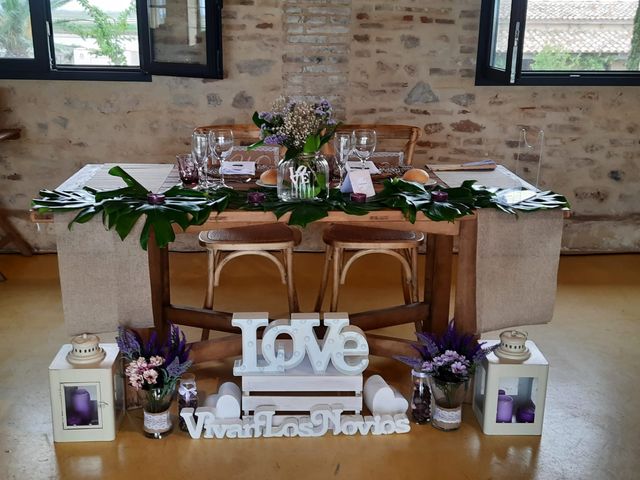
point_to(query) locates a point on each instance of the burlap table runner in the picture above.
(516, 260)
(104, 280)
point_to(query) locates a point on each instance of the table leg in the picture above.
(465, 308)
(437, 284)
(160, 285)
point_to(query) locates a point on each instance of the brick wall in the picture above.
(394, 62)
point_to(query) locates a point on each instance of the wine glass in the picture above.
(199, 152)
(221, 146)
(363, 144)
(342, 143)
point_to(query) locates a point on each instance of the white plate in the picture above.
(260, 183)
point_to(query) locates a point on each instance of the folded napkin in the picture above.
(358, 166)
(238, 168)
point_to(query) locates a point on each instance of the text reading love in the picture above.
(344, 345)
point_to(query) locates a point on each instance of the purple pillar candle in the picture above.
(505, 409)
(526, 414)
(256, 198)
(439, 196)
(358, 197)
(81, 401)
(155, 198)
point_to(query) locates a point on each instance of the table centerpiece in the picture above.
(302, 128)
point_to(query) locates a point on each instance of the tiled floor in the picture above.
(590, 430)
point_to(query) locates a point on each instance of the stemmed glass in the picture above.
(199, 152)
(342, 143)
(221, 146)
(363, 144)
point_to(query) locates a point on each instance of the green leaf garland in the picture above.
(123, 207)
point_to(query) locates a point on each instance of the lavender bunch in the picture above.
(154, 364)
(451, 357)
(301, 127)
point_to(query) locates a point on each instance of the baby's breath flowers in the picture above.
(301, 127)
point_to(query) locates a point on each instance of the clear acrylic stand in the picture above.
(527, 167)
(529, 157)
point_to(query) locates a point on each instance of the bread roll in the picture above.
(416, 175)
(269, 177)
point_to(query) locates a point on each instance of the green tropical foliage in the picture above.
(108, 32)
(15, 29)
(123, 207)
(633, 62)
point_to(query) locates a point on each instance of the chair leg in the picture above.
(407, 282)
(291, 288)
(414, 274)
(212, 256)
(325, 278)
(337, 270)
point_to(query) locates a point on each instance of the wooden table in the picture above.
(432, 313)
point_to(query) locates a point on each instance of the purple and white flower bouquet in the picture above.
(154, 366)
(450, 361)
(299, 126)
(451, 357)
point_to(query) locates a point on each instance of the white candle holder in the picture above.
(515, 381)
(87, 391)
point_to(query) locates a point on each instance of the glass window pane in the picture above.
(178, 31)
(95, 32)
(501, 20)
(16, 40)
(582, 36)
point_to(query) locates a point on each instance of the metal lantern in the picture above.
(87, 390)
(511, 386)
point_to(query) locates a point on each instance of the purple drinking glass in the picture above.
(188, 170)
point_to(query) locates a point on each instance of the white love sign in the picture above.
(343, 345)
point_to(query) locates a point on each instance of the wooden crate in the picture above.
(309, 390)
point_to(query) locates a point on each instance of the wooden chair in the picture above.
(243, 134)
(393, 137)
(261, 240)
(364, 240)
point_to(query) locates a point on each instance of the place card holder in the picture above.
(358, 180)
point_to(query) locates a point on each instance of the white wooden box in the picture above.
(308, 389)
(102, 382)
(525, 382)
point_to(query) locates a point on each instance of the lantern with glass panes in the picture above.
(511, 386)
(87, 390)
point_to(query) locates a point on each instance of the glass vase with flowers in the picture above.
(302, 128)
(450, 361)
(155, 367)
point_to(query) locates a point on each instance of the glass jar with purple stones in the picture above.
(420, 398)
(187, 396)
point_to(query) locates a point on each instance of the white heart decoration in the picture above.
(226, 402)
(382, 399)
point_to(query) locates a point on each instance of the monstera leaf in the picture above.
(122, 208)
